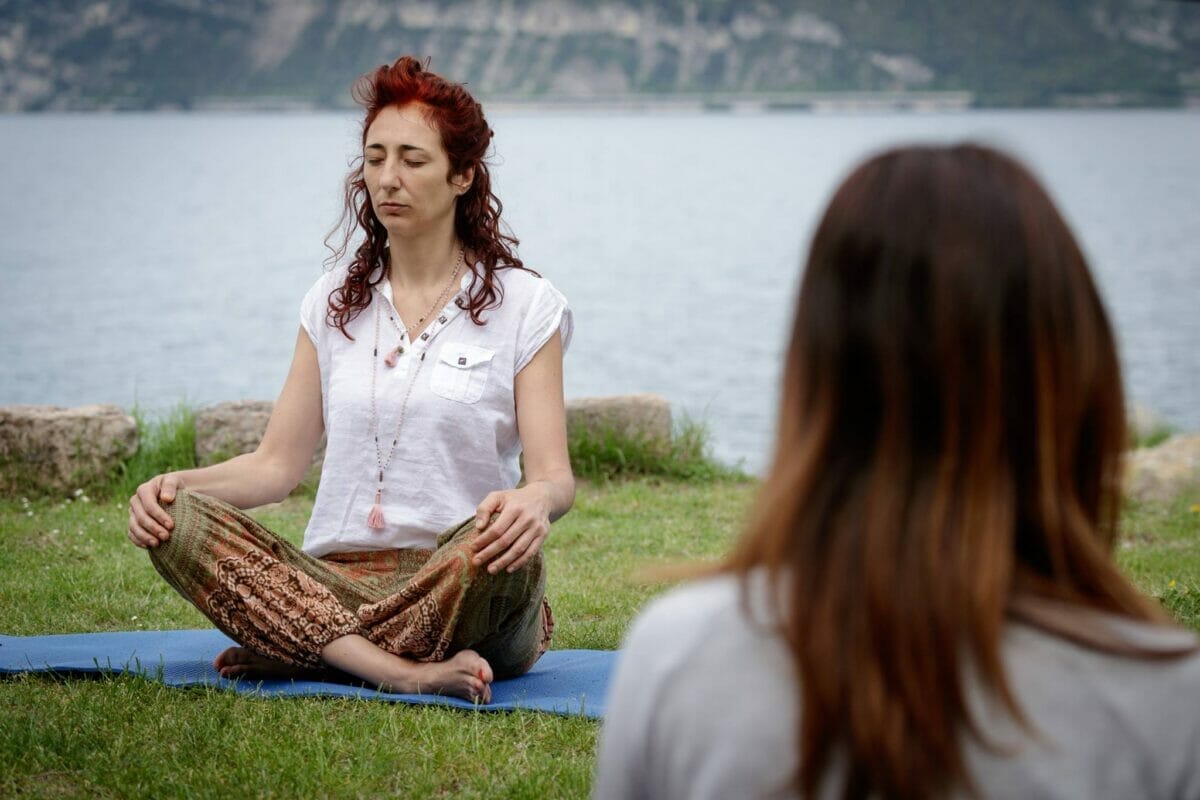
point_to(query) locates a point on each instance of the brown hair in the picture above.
(466, 136)
(949, 439)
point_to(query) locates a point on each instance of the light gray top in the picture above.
(703, 705)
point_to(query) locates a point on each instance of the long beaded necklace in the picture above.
(395, 353)
(375, 517)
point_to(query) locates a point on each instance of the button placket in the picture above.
(423, 342)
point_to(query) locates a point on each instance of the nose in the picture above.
(389, 176)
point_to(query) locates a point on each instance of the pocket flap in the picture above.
(464, 356)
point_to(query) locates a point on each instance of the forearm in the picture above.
(244, 481)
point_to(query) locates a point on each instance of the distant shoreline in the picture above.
(720, 103)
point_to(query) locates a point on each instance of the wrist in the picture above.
(544, 491)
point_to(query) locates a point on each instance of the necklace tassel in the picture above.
(391, 358)
(375, 518)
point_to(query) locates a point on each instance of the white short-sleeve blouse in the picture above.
(458, 440)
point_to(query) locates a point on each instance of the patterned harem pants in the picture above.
(425, 605)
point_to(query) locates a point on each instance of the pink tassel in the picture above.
(375, 518)
(391, 358)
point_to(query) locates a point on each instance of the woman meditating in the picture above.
(924, 603)
(431, 361)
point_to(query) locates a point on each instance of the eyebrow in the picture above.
(403, 148)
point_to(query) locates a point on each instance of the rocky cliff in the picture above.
(136, 54)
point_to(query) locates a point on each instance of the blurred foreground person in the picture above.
(924, 603)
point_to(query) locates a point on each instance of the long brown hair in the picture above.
(950, 437)
(466, 136)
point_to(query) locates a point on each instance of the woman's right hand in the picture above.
(149, 523)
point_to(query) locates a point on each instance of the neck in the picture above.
(421, 262)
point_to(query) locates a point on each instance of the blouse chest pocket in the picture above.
(461, 372)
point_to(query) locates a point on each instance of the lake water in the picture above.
(153, 259)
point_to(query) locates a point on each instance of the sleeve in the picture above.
(547, 313)
(313, 308)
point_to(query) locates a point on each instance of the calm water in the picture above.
(156, 258)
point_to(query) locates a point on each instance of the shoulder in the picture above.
(677, 623)
(330, 279)
(1124, 663)
(523, 287)
(1152, 698)
(315, 304)
(1107, 724)
(318, 292)
(532, 309)
(702, 668)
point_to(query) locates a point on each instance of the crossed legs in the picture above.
(406, 621)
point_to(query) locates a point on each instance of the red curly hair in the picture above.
(466, 136)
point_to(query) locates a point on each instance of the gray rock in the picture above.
(235, 427)
(1145, 422)
(53, 448)
(232, 428)
(644, 417)
(1163, 472)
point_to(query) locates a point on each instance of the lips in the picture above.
(392, 208)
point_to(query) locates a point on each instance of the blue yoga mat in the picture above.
(567, 682)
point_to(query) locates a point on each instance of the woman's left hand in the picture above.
(512, 526)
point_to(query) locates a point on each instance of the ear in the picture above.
(462, 181)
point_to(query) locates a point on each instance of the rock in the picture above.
(235, 427)
(230, 429)
(1144, 422)
(51, 448)
(636, 416)
(1163, 472)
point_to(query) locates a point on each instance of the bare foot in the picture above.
(241, 662)
(466, 674)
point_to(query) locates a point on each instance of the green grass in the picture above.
(65, 565)
(1160, 551)
(1153, 437)
(165, 442)
(607, 454)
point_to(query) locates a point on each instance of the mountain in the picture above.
(146, 54)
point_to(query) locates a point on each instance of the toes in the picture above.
(478, 691)
(475, 665)
(234, 656)
(225, 657)
(482, 670)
